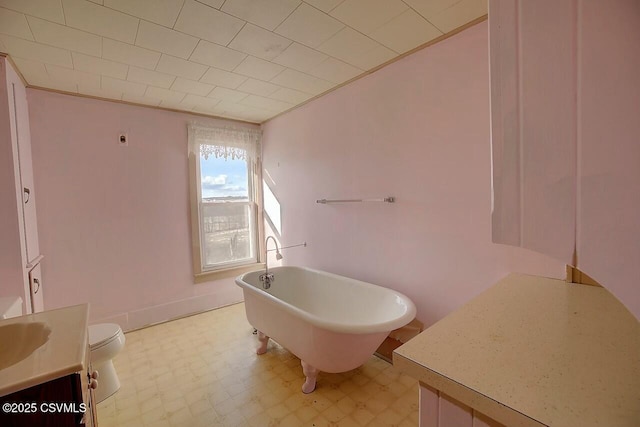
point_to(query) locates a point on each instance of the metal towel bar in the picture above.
(389, 199)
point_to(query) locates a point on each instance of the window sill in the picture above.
(207, 276)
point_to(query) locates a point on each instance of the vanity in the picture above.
(45, 372)
(529, 351)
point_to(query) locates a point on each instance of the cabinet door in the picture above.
(23, 137)
(533, 125)
(609, 210)
(90, 417)
(35, 286)
(63, 390)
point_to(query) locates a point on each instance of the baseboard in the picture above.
(141, 318)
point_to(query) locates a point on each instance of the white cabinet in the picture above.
(21, 135)
(533, 125)
(565, 108)
(19, 249)
(609, 181)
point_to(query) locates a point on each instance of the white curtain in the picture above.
(234, 142)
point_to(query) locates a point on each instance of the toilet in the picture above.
(105, 342)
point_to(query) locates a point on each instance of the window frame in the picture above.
(202, 274)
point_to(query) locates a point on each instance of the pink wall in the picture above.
(417, 130)
(114, 221)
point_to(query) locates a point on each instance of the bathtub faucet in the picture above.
(267, 278)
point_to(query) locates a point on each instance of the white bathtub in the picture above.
(332, 323)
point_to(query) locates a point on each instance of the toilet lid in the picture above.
(103, 332)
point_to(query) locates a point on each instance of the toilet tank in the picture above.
(10, 307)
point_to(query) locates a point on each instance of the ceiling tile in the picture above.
(51, 10)
(266, 103)
(153, 78)
(164, 94)
(36, 52)
(215, 111)
(356, 49)
(429, 8)
(231, 107)
(55, 85)
(447, 15)
(300, 57)
(180, 67)
(69, 76)
(192, 101)
(14, 24)
(300, 81)
(140, 100)
(290, 95)
(405, 32)
(256, 115)
(191, 86)
(100, 93)
(225, 94)
(259, 42)
(223, 78)
(91, 64)
(324, 5)
(258, 68)
(207, 23)
(46, 32)
(173, 105)
(264, 13)
(373, 58)
(100, 20)
(161, 39)
(258, 87)
(216, 56)
(31, 70)
(129, 54)
(309, 26)
(163, 12)
(335, 71)
(378, 12)
(117, 85)
(212, 3)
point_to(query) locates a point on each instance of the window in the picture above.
(225, 199)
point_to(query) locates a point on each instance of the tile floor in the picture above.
(203, 371)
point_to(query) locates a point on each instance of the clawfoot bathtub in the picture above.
(332, 323)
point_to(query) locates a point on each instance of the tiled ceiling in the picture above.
(241, 59)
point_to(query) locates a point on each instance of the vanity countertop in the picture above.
(62, 353)
(532, 351)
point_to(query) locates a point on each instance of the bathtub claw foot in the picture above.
(311, 374)
(264, 341)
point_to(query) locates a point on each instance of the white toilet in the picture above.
(105, 342)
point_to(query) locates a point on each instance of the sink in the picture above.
(19, 340)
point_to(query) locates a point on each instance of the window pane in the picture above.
(224, 179)
(227, 232)
(227, 223)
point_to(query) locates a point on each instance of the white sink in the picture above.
(19, 340)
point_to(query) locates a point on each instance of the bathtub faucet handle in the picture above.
(266, 279)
